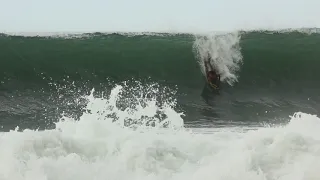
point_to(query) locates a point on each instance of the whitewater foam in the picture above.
(106, 143)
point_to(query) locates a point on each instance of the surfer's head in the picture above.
(212, 74)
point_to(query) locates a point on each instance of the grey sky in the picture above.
(152, 15)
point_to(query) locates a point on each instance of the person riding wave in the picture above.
(212, 77)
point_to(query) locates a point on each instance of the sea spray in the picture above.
(132, 103)
(224, 52)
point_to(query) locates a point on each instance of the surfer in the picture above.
(212, 77)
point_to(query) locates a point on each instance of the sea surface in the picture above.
(132, 106)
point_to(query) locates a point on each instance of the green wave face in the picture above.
(261, 70)
(114, 56)
(248, 58)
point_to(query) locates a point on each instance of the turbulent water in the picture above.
(136, 106)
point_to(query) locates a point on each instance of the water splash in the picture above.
(224, 51)
(132, 104)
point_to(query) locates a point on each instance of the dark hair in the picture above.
(212, 72)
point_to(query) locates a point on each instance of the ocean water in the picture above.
(136, 106)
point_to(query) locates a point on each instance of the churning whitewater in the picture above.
(136, 106)
(117, 143)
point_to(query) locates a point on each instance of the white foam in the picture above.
(224, 51)
(100, 146)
